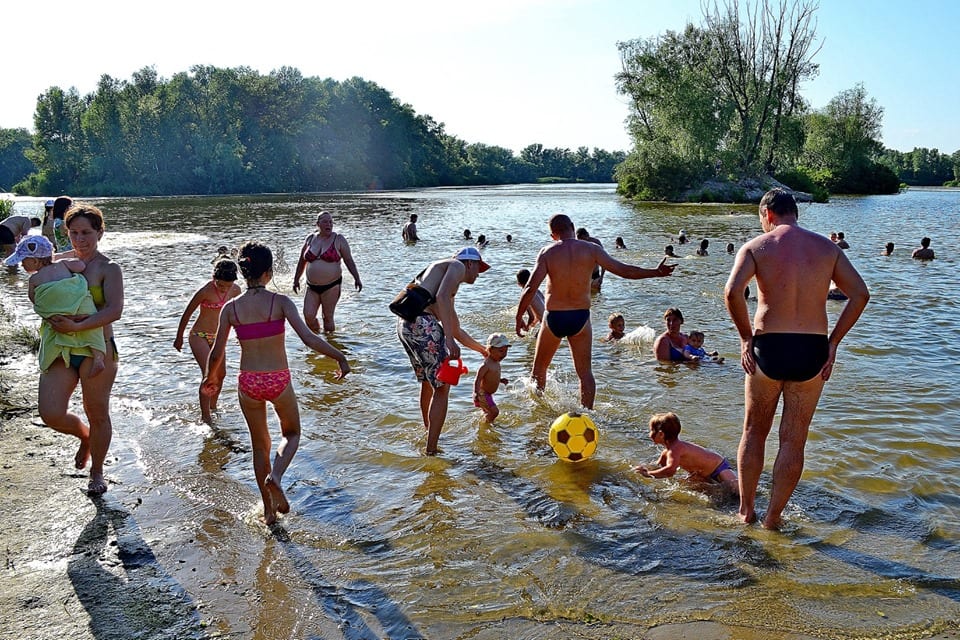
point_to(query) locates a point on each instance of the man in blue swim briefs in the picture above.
(567, 264)
(788, 351)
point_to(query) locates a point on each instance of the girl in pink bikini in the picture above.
(320, 258)
(209, 298)
(259, 318)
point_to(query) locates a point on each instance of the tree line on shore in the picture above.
(233, 130)
(716, 104)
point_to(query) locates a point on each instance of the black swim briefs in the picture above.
(564, 324)
(790, 356)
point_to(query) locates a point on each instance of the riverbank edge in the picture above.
(81, 568)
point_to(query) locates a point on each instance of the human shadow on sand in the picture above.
(122, 586)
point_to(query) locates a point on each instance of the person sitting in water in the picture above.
(617, 326)
(702, 251)
(669, 345)
(703, 465)
(668, 251)
(618, 243)
(730, 248)
(695, 348)
(888, 249)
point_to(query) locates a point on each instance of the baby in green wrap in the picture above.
(58, 288)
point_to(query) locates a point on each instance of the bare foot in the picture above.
(748, 518)
(97, 486)
(83, 454)
(276, 493)
(773, 524)
(97, 367)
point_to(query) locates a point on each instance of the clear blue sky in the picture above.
(502, 72)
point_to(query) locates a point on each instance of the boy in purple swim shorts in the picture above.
(702, 464)
(488, 378)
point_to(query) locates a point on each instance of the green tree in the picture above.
(14, 165)
(842, 145)
(59, 146)
(720, 99)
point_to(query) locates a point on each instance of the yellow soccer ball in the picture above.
(574, 437)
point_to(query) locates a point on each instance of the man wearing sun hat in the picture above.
(432, 336)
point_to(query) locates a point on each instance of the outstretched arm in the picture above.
(629, 271)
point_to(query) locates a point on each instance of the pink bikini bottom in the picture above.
(263, 385)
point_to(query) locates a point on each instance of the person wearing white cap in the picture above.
(429, 334)
(567, 265)
(488, 378)
(12, 229)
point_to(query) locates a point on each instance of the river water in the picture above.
(496, 528)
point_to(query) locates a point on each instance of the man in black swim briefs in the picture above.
(787, 351)
(568, 265)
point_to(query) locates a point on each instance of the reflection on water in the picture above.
(393, 543)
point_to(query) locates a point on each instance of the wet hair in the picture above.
(704, 243)
(673, 311)
(255, 259)
(481, 239)
(323, 213)
(696, 334)
(925, 243)
(730, 247)
(523, 276)
(840, 235)
(560, 222)
(509, 238)
(466, 233)
(666, 423)
(225, 269)
(619, 242)
(667, 250)
(780, 201)
(61, 205)
(889, 246)
(616, 315)
(88, 211)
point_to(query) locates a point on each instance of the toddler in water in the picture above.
(488, 378)
(58, 288)
(695, 348)
(617, 325)
(702, 464)
(536, 309)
